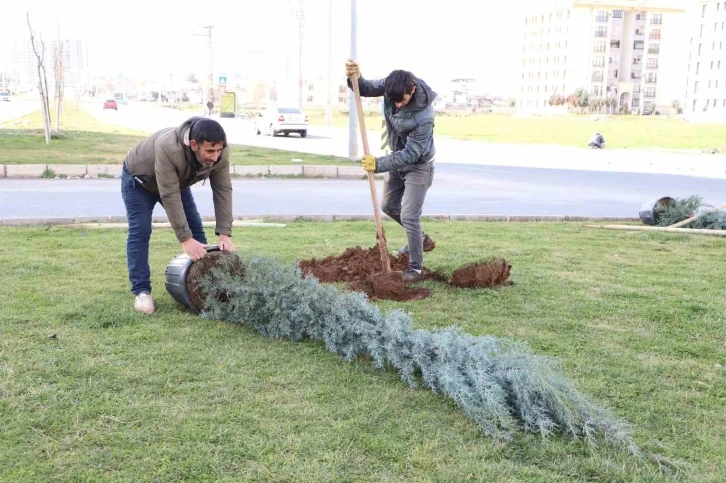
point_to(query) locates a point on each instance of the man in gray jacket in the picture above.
(409, 113)
(161, 169)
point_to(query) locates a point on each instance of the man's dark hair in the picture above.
(398, 83)
(208, 130)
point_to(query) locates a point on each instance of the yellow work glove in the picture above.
(369, 162)
(351, 67)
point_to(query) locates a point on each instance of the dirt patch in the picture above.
(484, 274)
(357, 267)
(201, 268)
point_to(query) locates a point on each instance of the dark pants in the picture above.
(404, 192)
(140, 205)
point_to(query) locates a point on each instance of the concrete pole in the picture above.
(352, 119)
(328, 107)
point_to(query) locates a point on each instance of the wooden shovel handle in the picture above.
(371, 180)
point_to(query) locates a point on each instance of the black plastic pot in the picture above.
(649, 210)
(176, 278)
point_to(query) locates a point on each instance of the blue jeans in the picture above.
(140, 205)
(404, 192)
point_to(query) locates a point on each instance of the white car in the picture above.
(275, 120)
(4, 97)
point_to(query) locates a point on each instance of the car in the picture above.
(275, 120)
(110, 104)
(4, 97)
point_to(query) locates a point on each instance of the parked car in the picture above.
(4, 97)
(110, 104)
(275, 120)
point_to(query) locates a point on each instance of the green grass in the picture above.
(634, 132)
(636, 319)
(85, 140)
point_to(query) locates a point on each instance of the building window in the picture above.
(649, 92)
(652, 63)
(601, 16)
(695, 87)
(601, 31)
(614, 44)
(651, 77)
(694, 104)
(699, 48)
(701, 35)
(714, 103)
(637, 16)
(598, 61)
(310, 98)
(654, 34)
(716, 85)
(597, 76)
(703, 11)
(617, 14)
(599, 46)
(657, 19)
(636, 60)
(715, 27)
(638, 45)
(654, 48)
(310, 87)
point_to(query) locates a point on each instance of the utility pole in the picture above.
(210, 78)
(352, 118)
(211, 61)
(301, 20)
(328, 107)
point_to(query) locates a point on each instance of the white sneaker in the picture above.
(144, 303)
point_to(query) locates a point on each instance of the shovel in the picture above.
(387, 284)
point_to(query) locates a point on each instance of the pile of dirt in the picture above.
(201, 268)
(483, 274)
(357, 266)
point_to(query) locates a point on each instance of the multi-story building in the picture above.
(630, 51)
(706, 74)
(25, 63)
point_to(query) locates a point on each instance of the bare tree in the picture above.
(42, 79)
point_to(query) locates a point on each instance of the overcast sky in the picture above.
(437, 40)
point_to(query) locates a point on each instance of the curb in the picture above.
(72, 171)
(326, 218)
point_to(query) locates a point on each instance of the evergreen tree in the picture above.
(498, 384)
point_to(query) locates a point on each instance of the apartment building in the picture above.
(628, 50)
(25, 63)
(705, 96)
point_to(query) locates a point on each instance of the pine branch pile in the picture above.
(683, 208)
(498, 384)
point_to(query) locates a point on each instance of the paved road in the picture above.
(457, 189)
(14, 109)
(334, 141)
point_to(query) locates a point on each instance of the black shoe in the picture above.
(412, 276)
(428, 245)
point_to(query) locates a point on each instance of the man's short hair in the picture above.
(399, 83)
(208, 130)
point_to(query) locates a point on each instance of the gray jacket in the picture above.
(410, 130)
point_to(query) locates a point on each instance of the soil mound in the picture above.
(357, 267)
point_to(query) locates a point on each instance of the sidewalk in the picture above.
(320, 218)
(94, 171)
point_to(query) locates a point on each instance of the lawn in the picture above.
(85, 140)
(89, 390)
(634, 132)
